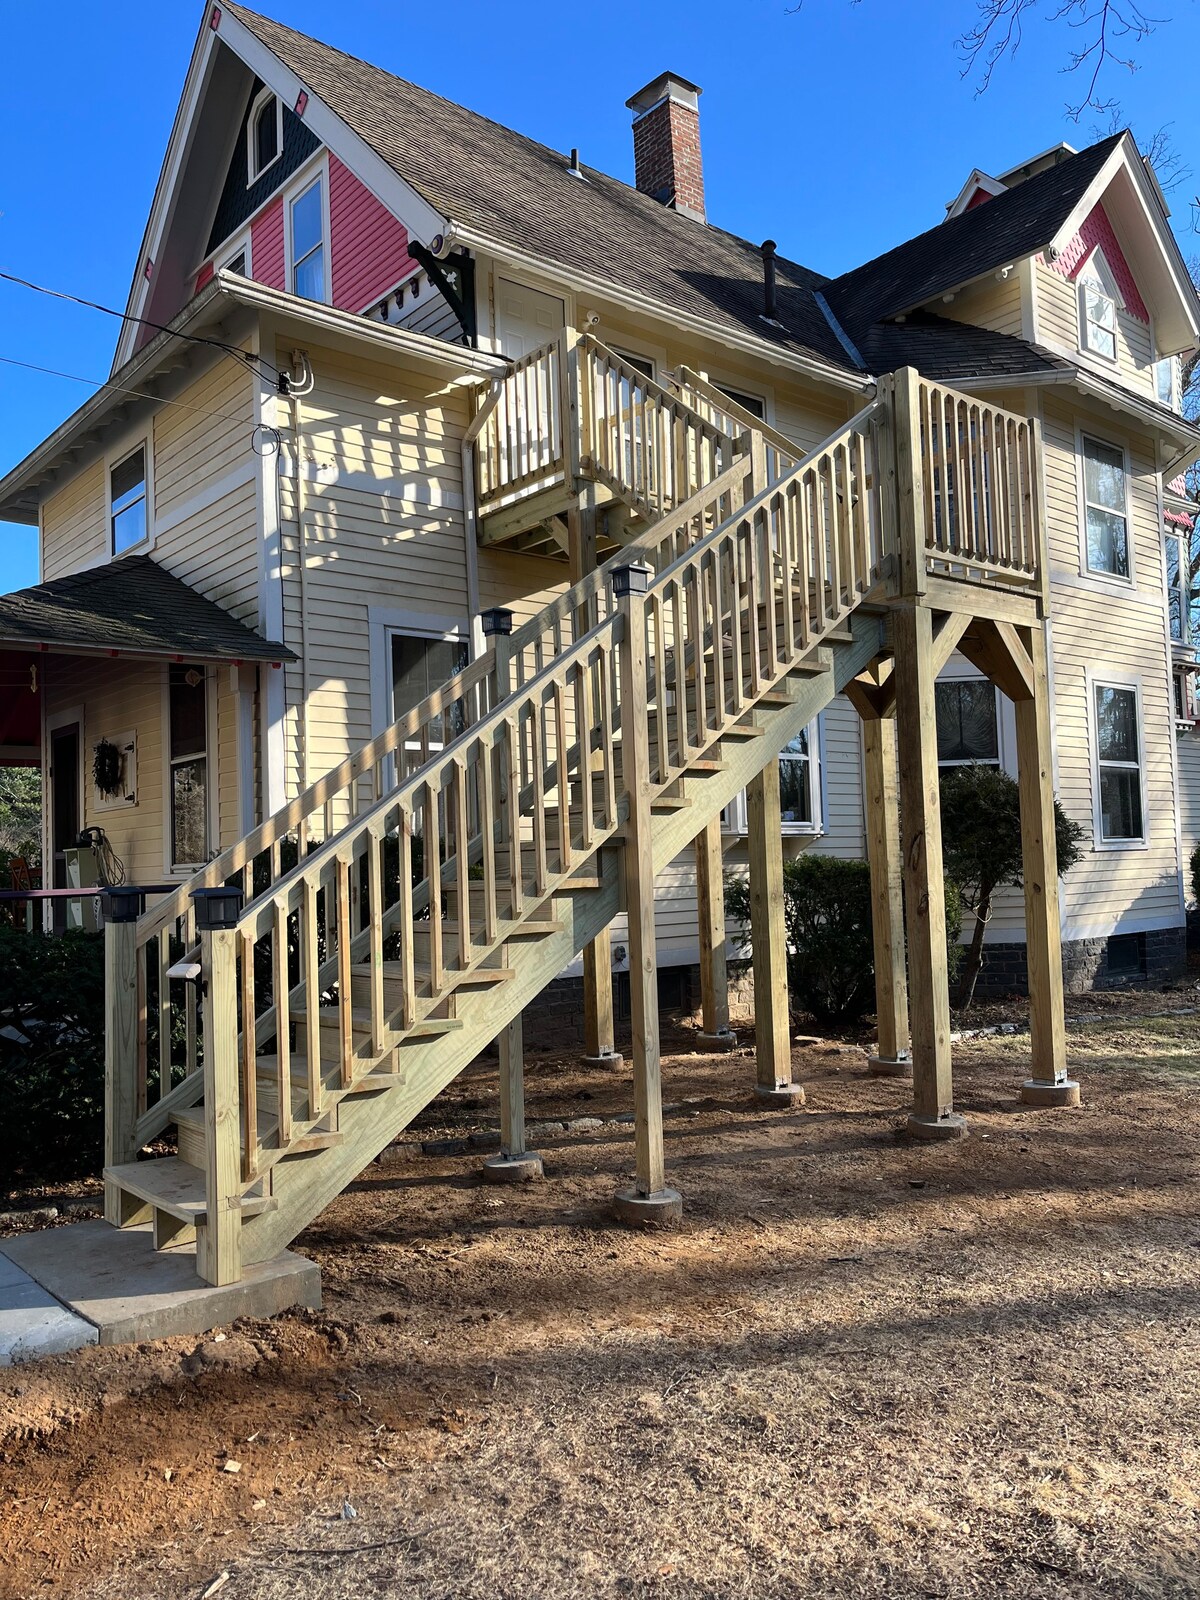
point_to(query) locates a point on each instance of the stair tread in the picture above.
(176, 1187)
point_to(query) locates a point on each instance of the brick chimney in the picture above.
(666, 143)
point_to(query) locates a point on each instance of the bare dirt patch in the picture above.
(860, 1368)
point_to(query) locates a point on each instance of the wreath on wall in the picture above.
(106, 768)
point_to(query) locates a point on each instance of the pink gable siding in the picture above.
(1097, 230)
(266, 246)
(369, 245)
(204, 276)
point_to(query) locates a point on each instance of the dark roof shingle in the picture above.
(134, 606)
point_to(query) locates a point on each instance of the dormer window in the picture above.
(1099, 298)
(264, 133)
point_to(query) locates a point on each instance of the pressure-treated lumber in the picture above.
(218, 1242)
(887, 901)
(710, 914)
(120, 1065)
(924, 887)
(768, 939)
(1048, 1083)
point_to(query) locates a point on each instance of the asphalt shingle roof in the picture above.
(951, 351)
(131, 604)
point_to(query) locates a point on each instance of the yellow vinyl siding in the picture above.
(1058, 326)
(991, 303)
(74, 524)
(203, 435)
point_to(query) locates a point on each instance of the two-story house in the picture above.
(392, 376)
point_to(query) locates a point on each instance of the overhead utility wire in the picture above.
(146, 322)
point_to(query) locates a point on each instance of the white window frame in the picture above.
(1116, 680)
(1097, 575)
(1097, 269)
(117, 457)
(383, 623)
(296, 191)
(1173, 363)
(239, 246)
(755, 391)
(1182, 585)
(211, 775)
(734, 818)
(253, 172)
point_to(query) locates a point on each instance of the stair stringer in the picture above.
(368, 1122)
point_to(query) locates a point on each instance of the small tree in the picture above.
(981, 848)
(21, 812)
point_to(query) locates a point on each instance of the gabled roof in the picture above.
(501, 188)
(130, 606)
(1015, 224)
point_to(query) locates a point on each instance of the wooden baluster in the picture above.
(607, 731)
(462, 862)
(408, 1003)
(381, 1036)
(583, 699)
(828, 491)
(249, 1059)
(966, 509)
(802, 536)
(163, 952)
(511, 802)
(565, 856)
(1002, 491)
(345, 977)
(433, 877)
(187, 926)
(820, 547)
(281, 996)
(310, 956)
(485, 767)
(538, 800)
(218, 1242)
(143, 1032)
(694, 579)
(715, 563)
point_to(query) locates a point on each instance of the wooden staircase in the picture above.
(403, 911)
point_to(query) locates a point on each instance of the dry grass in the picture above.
(861, 1368)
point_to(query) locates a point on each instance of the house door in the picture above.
(66, 815)
(527, 319)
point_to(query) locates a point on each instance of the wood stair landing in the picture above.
(173, 1191)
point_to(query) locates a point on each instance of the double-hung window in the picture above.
(1098, 297)
(127, 501)
(967, 732)
(1106, 510)
(308, 242)
(1178, 586)
(797, 799)
(1166, 382)
(187, 724)
(419, 665)
(1118, 764)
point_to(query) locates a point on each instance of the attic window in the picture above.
(1098, 301)
(264, 133)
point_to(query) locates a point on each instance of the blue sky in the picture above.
(837, 130)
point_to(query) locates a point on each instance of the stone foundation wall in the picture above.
(1161, 958)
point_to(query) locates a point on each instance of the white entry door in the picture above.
(529, 415)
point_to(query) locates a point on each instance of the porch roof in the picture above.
(129, 607)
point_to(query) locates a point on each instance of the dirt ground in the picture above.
(861, 1367)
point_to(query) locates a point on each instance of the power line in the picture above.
(146, 322)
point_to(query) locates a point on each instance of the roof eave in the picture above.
(276, 656)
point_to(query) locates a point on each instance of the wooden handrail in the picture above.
(688, 379)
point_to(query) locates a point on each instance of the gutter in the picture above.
(808, 366)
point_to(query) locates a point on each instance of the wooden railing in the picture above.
(727, 414)
(520, 432)
(979, 470)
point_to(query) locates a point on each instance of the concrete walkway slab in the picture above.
(128, 1291)
(33, 1323)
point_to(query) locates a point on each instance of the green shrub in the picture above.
(827, 914)
(51, 1054)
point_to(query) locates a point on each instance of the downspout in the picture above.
(298, 383)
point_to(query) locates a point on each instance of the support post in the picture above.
(933, 1115)
(219, 1241)
(514, 1164)
(892, 1058)
(710, 914)
(768, 937)
(649, 1201)
(1049, 1084)
(122, 909)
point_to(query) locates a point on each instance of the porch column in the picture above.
(933, 1115)
(1049, 1084)
(219, 1240)
(710, 915)
(514, 1164)
(598, 1031)
(649, 1201)
(768, 937)
(122, 907)
(891, 1058)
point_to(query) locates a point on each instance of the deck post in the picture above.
(768, 938)
(710, 914)
(933, 1115)
(892, 1058)
(1049, 1084)
(649, 1201)
(219, 1240)
(514, 1164)
(122, 909)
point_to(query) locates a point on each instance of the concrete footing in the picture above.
(658, 1210)
(781, 1097)
(116, 1281)
(1036, 1093)
(522, 1168)
(890, 1066)
(716, 1041)
(609, 1060)
(951, 1126)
